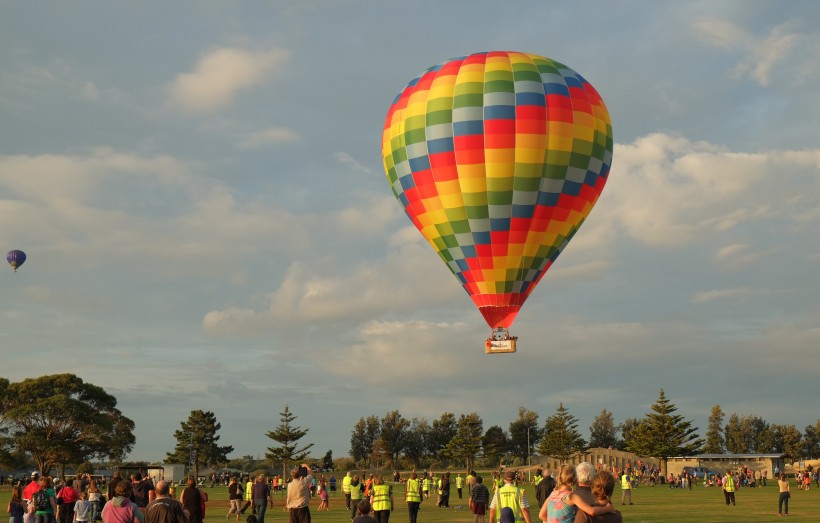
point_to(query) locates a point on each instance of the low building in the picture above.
(720, 463)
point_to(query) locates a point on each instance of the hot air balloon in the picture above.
(497, 158)
(16, 259)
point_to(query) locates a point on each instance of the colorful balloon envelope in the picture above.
(498, 158)
(16, 259)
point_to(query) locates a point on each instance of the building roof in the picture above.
(718, 457)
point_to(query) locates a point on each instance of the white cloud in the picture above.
(266, 137)
(349, 161)
(669, 192)
(739, 294)
(761, 55)
(221, 74)
(735, 255)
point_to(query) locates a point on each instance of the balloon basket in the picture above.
(500, 342)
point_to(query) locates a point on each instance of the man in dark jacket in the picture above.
(164, 508)
(544, 487)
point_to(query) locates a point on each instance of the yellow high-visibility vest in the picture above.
(381, 498)
(413, 495)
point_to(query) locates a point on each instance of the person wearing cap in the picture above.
(509, 497)
(32, 487)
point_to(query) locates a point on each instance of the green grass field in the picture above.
(651, 505)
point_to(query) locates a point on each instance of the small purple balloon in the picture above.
(15, 259)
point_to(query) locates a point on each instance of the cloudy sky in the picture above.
(199, 188)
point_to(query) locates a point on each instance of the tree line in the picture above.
(396, 442)
(60, 420)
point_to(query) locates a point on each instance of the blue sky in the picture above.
(199, 188)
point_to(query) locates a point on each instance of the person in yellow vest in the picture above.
(438, 491)
(509, 498)
(459, 484)
(381, 499)
(356, 494)
(626, 488)
(426, 484)
(729, 488)
(346, 488)
(412, 495)
(248, 497)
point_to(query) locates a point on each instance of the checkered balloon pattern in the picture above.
(498, 158)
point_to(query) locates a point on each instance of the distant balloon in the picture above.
(498, 158)
(15, 258)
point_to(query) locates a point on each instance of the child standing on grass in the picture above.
(82, 508)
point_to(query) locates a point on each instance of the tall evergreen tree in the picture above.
(287, 435)
(197, 442)
(524, 433)
(603, 433)
(561, 438)
(714, 434)
(663, 434)
(466, 444)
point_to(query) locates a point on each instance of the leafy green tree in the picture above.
(466, 444)
(603, 433)
(441, 433)
(811, 440)
(393, 430)
(524, 433)
(61, 419)
(788, 439)
(495, 444)
(627, 427)
(561, 438)
(663, 434)
(364, 435)
(714, 434)
(287, 435)
(197, 442)
(414, 441)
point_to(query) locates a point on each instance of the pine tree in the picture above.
(287, 435)
(560, 438)
(714, 435)
(663, 434)
(197, 442)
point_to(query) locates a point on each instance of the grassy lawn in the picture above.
(652, 504)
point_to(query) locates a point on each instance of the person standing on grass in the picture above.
(164, 508)
(356, 491)
(785, 494)
(459, 484)
(544, 487)
(261, 497)
(298, 500)
(626, 487)
(479, 498)
(412, 495)
(234, 498)
(510, 497)
(17, 506)
(381, 499)
(346, 488)
(729, 488)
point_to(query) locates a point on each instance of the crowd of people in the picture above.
(581, 493)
